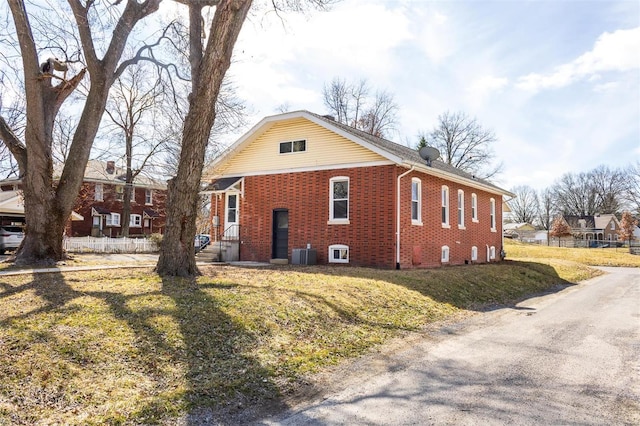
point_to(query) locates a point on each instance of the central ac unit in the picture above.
(303, 256)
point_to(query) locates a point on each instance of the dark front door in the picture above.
(280, 248)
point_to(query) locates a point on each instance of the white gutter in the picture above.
(398, 216)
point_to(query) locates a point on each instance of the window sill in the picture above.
(494, 230)
(475, 221)
(416, 222)
(338, 222)
(462, 227)
(446, 225)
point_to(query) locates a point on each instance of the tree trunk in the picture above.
(177, 254)
(48, 204)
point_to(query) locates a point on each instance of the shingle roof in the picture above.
(400, 154)
(404, 152)
(96, 170)
(575, 221)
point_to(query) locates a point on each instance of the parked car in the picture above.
(201, 241)
(10, 238)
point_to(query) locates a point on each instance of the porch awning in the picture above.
(99, 211)
(76, 216)
(223, 184)
(150, 214)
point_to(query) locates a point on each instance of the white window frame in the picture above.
(416, 199)
(492, 214)
(333, 220)
(444, 256)
(135, 221)
(492, 252)
(343, 253)
(98, 193)
(613, 225)
(111, 219)
(474, 207)
(119, 192)
(444, 211)
(293, 144)
(461, 209)
(474, 253)
(148, 197)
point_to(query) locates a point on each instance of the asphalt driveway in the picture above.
(571, 357)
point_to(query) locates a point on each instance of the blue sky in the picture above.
(557, 81)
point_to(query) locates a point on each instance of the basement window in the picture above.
(445, 254)
(293, 146)
(338, 253)
(492, 252)
(474, 253)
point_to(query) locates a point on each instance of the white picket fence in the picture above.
(109, 245)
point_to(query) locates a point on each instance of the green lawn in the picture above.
(127, 347)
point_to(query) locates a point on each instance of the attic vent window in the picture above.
(293, 146)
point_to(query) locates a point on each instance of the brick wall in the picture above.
(371, 233)
(86, 200)
(421, 246)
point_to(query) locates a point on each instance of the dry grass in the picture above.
(586, 256)
(127, 347)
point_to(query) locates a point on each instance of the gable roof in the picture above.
(396, 153)
(602, 220)
(577, 221)
(96, 171)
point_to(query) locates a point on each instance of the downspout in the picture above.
(398, 216)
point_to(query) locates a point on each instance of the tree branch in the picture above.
(17, 148)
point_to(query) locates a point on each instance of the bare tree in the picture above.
(575, 195)
(465, 144)
(48, 204)
(351, 104)
(632, 187)
(208, 68)
(546, 210)
(525, 206)
(609, 185)
(135, 96)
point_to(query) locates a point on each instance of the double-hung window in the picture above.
(445, 206)
(148, 196)
(99, 192)
(113, 219)
(492, 214)
(339, 200)
(416, 204)
(460, 209)
(135, 221)
(474, 207)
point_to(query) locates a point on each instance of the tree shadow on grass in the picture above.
(185, 358)
(477, 287)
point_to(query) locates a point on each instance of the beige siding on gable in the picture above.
(323, 148)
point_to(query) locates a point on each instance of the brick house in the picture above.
(299, 180)
(98, 209)
(601, 227)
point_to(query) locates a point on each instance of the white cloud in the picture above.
(288, 61)
(484, 86)
(435, 34)
(617, 51)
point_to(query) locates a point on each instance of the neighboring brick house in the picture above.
(98, 209)
(299, 179)
(602, 227)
